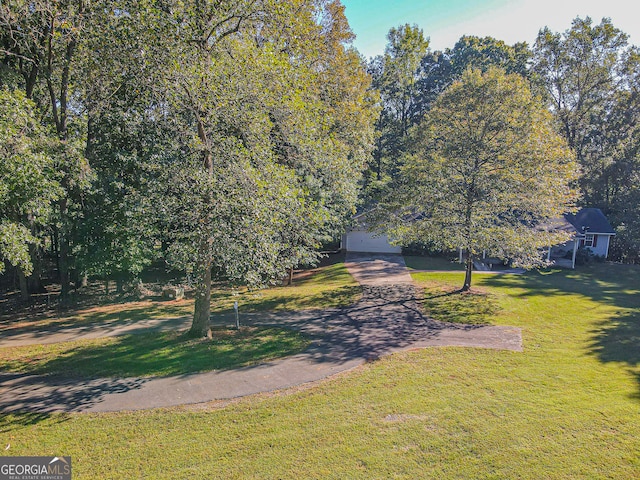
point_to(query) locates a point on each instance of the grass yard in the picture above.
(568, 407)
(418, 262)
(154, 354)
(444, 302)
(326, 286)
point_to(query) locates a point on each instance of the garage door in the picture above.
(367, 242)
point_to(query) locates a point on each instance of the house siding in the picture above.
(362, 241)
(601, 245)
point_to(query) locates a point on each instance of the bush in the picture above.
(584, 256)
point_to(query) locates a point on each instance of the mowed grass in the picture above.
(418, 262)
(446, 303)
(153, 354)
(567, 407)
(323, 287)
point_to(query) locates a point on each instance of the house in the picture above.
(590, 229)
(359, 239)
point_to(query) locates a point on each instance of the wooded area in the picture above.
(588, 78)
(224, 138)
(229, 139)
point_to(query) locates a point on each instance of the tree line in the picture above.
(229, 138)
(224, 137)
(587, 77)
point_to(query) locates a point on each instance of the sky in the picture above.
(445, 21)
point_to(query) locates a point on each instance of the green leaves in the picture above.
(27, 181)
(486, 173)
(589, 75)
(14, 246)
(226, 135)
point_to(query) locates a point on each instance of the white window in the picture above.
(588, 240)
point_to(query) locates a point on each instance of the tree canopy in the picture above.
(487, 172)
(590, 76)
(225, 137)
(28, 184)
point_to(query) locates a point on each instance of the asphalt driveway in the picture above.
(387, 319)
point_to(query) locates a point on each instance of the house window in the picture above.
(588, 241)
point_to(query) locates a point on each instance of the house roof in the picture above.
(590, 220)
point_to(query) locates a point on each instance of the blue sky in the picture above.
(445, 21)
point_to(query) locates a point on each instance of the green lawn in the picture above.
(154, 353)
(415, 262)
(323, 287)
(567, 407)
(443, 301)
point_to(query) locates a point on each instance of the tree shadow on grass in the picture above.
(16, 421)
(289, 299)
(157, 354)
(110, 315)
(454, 306)
(616, 339)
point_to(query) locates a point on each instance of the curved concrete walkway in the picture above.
(385, 320)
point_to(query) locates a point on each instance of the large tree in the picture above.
(440, 69)
(28, 184)
(395, 76)
(589, 74)
(41, 52)
(409, 77)
(271, 114)
(487, 172)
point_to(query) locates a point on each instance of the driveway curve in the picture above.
(386, 319)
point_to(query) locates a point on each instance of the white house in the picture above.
(590, 229)
(359, 239)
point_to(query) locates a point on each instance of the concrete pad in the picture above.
(377, 269)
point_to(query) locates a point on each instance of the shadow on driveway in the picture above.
(385, 320)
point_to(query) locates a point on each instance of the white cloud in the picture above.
(519, 20)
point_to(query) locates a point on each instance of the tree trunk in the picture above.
(55, 245)
(467, 275)
(35, 284)
(202, 309)
(24, 288)
(34, 281)
(63, 254)
(290, 280)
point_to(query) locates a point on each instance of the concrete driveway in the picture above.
(378, 269)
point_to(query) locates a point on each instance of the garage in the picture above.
(363, 241)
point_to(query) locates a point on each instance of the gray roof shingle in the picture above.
(592, 219)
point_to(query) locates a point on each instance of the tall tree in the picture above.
(487, 173)
(484, 52)
(580, 70)
(28, 184)
(410, 77)
(439, 69)
(395, 76)
(42, 40)
(271, 112)
(589, 74)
